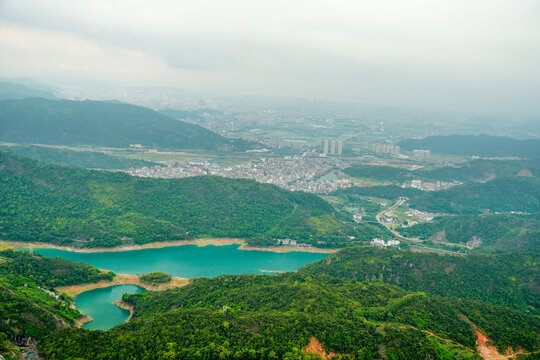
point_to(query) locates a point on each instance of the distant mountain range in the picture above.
(109, 124)
(480, 145)
(16, 91)
(472, 171)
(31, 83)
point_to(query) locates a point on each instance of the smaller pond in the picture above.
(98, 304)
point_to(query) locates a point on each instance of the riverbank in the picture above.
(121, 279)
(158, 245)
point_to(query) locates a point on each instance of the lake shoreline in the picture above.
(81, 320)
(121, 279)
(126, 306)
(157, 245)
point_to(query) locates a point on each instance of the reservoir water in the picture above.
(98, 304)
(187, 261)
(190, 261)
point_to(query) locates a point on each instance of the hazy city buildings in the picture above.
(296, 173)
(324, 147)
(386, 149)
(430, 186)
(331, 147)
(421, 153)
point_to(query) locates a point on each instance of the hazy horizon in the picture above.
(479, 56)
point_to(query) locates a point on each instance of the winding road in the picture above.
(398, 203)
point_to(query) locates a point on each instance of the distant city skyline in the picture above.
(476, 55)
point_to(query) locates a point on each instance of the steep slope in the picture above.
(62, 205)
(42, 121)
(480, 145)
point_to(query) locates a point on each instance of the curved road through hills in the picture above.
(399, 202)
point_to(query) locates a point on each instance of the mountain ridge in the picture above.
(97, 123)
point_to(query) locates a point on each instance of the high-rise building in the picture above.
(333, 147)
(340, 147)
(385, 149)
(324, 146)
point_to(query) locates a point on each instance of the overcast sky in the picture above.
(481, 55)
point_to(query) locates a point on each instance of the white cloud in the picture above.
(472, 53)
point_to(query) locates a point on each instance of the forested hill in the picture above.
(498, 195)
(65, 122)
(276, 317)
(297, 315)
(480, 145)
(28, 310)
(492, 233)
(63, 205)
(508, 279)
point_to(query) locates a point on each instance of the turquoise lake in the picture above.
(98, 304)
(187, 261)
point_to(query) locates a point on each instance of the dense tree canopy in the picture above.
(508, 279)
(268, 317)
(62, 205)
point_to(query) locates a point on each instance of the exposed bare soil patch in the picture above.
(315, 347)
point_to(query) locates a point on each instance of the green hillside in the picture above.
(480, 145)
(500, 194)
(27, 312)
(85, 159)
(486, 233)
(64, 122)
(62, 205)
(275, 317)
(509, 280)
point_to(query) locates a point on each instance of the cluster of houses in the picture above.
(381, 243)
(291, 242)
